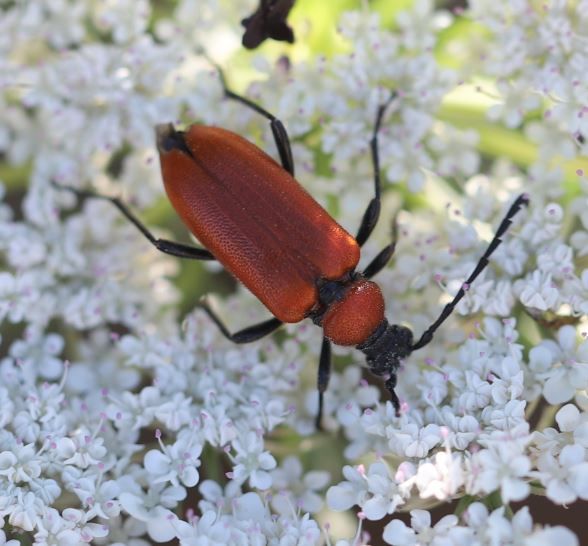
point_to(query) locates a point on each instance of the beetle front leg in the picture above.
(380, 261)
(278, 130)
(372, 213)
(163, 245)
(383, 257)
(247, 335)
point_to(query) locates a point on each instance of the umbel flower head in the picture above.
(125, 415)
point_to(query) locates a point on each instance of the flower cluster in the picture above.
(127, 418)
(481, 528)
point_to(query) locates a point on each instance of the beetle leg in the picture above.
(380, 261)
(383, 257)
(278, 130)
(247, 335)
(522, 200)
(391, 385)
(324, 374)
(168, 247)
(372, 213)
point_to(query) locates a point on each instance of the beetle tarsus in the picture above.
(319, 416)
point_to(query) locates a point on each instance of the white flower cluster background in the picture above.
(126, 418)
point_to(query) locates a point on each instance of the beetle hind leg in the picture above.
(163, 245)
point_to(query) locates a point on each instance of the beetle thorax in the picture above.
(355, 313)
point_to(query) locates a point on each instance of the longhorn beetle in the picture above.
(255, 219)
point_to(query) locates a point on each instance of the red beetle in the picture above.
(254, 217)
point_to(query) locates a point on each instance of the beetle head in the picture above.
(386, 347)
(384, 350)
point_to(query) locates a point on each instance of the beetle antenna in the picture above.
(522, 200)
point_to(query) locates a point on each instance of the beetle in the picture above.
(252, 216)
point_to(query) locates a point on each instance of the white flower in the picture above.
(507, 417)
(413, 441)
(127, 532)
(6, 407)
(386, 495)
(82, 450)
(251, 462)
(88, 531)
(441, 477)
(252, 516)
(517, 101)
(175, 413)
(543, 225)
(135, 410)
(461, 430)
(102, 502)
(509, 386)
(562, 366)
(495, 528)
(375, 491)
(20, 465)
(26, 512)
(40, 353)
(124, 19)
(350, 492)
(152, 506)
(553, 535)
(565, 478)
(208, 529)
(573, 423)
(420, 530)
(538, 292)
(54, 529)
(579, 239)
(578, 290)
(556, 260)
(475, 394)
(455, 151)
(215, 496)
(574, 430)
(511, 256)
(551, 140)
(174, 463)
(501, 467)
(287, 480)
